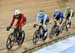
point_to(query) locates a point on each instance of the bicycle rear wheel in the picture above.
(10, 41)
(43, 33)
(20, 42)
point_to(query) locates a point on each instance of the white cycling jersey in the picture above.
(42, 16)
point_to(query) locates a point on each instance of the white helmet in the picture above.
(17, 12)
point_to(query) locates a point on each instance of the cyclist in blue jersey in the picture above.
(58, 16)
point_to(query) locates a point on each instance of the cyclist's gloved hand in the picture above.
(34, 25)
(8, 28)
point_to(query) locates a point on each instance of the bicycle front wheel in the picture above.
(35, 37)
(52, 32)
(10, 41)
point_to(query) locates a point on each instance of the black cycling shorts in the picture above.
(57, 18)
(67, 17)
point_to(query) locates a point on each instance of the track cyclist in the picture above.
(42, 19)
(21, 21)
(68, 15)
(58, 17)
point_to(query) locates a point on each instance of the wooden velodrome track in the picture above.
(30, 9)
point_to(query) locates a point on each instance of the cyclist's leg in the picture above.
(60, 22)
(69, 22)
(41, 31)
(20, 32)
(65, 21)
(55, 22)
(45, 30)
(39, 23)
(46, 27)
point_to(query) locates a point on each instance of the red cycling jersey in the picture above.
(21, 21)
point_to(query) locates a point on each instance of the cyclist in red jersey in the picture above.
(21, 21)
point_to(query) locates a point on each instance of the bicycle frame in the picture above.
(39, 28)
(16, 32)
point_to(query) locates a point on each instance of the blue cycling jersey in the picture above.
(58, 14)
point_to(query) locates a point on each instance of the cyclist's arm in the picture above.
(12, 22)
(54, 16)
(45, 18)
(71, 13)
(61, 17)
(23, 20)
(38, 19)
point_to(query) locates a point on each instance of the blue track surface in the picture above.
(69, 50)
(64, 46)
